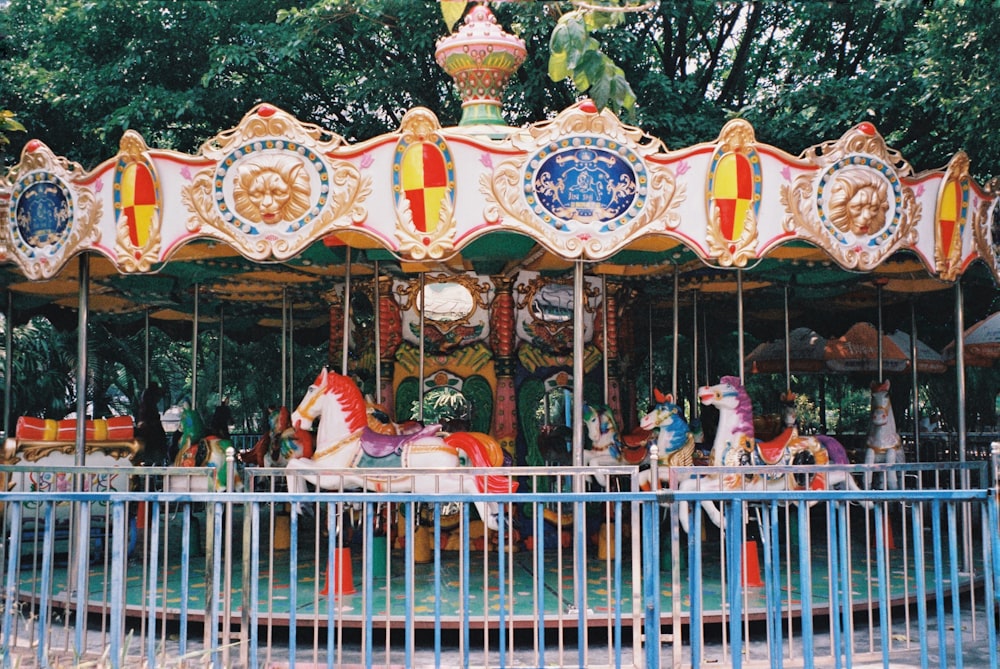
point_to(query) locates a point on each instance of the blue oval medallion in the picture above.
(43, 210)
(585, 180)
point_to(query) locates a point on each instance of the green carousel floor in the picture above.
(456, 595)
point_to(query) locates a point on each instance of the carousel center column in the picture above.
(502, 338)
(390, 336)
(609, 347)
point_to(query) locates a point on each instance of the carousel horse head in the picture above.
(337, 394)
(882, 416)
(789, 413)
(674, 434)
(599, 421)
(191, 424)
(200, 450)
(729, 395)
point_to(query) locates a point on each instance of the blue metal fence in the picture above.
(266, 578)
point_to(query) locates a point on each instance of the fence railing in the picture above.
(565, 576)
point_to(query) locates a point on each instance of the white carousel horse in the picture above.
(609, 448)
(674, 440)
(345, 441)
(735, 446)
(883, 445)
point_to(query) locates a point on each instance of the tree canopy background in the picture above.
(78, 73)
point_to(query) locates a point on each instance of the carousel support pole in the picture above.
(420, 365)
(8, 344)
(605, 347)
(578, 371)
(879, 283)
(345, 344)
(739, 323)
(704, 339)
(788, 348)
(960, 367)
(674, 361)
(284, 347)
(579, 512)
(650, 332)
(291, 350)
(81, 359)
(194, 349)
(913, 375)
(81, 546)
(145, 356)
(378, 339)
(694, 357)
(222, 331)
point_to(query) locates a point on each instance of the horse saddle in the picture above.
(635, 445)
(376, 445)
(772, 452)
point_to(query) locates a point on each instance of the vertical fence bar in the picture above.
(253, 615)
(733, 536)
(118, 562)
(694, 572)
(805, 582)
(215, 613)
(939, 598)
(82, 568)
(10, 586)
(651, 580)
(919, 566)
(988, 526)
(956, 603)
(46, 588)
(293, 580)
(154, 555)
(617, 589)
(772, 570)
(881, 527)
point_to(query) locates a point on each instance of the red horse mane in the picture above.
(350, 398)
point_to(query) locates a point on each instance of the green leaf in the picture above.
(589, 69)
(452, 11)
(558, 69)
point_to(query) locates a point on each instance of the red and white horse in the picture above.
(345, 441)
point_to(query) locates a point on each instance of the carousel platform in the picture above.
(532, 589)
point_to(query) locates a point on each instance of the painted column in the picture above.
(390, 336)
(609, 346)
(502, 340)
(334, 352)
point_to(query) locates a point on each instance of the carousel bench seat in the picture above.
(43, 454)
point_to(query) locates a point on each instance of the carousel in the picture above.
(503, 286)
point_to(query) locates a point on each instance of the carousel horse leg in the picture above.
(869, 460)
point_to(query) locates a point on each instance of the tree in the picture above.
(80, 73)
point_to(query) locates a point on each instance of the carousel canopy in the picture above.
(267, 213)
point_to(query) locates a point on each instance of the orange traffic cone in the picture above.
(751, 560)
(343, 582)
(890, 543)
